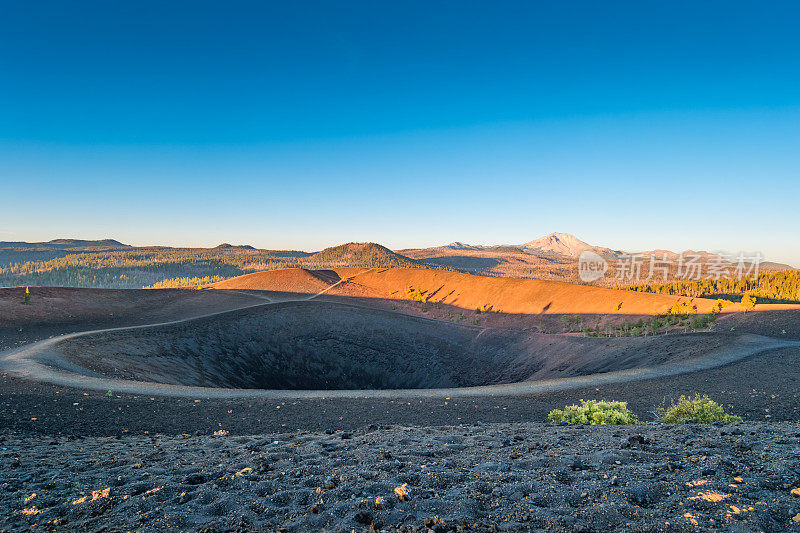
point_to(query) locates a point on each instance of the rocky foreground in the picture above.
(740, 477)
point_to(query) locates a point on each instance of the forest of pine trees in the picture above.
(141, 267)
(176, 267)
(778, 287)
(175, 283)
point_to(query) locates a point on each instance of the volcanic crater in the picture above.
(324, 345)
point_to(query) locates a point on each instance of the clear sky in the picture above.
(301, 125)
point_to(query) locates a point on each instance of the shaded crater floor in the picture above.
(316, 345)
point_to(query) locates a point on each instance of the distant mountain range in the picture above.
(564, 244)
(21, 252)
(110, 263)
(59, 244)
(568, 245)
(553, 256)
(554, 244)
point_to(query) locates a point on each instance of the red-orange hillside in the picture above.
(296, 280)
(506, 295)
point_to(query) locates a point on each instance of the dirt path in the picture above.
(340, 282)
(253, 294)
(41, 362)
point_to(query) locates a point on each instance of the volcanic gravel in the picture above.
(504, 477)
(73, 460)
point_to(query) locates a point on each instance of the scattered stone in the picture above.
(402, 492)
(194, 479)
(557, 480)
(363, 517)
(243, 472)
(634, 440)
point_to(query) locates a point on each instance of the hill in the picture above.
(62, 244)
(775, 267)
(461, 246)
(22, 252)
(226, 246)
(466, 291)
(289, 280)
(80, 243)
(367, 255)
(501, 261)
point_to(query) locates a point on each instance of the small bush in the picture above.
(703, 321)
(748, 303)
(418, 295)
(700, 410)
(594, 412)
(721, 304)
(681, 308)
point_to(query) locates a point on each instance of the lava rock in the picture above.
(194, 479)
(363, 517)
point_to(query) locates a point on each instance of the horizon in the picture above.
(344, 243)
(419, 266)
(631, 128)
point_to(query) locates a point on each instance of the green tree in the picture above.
(27, 299)
(748, 303)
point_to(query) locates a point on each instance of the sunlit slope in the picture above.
(512, 295)
(506, 295)
(295, 280)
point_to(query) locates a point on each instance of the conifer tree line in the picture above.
(783, 286)
(181, 267)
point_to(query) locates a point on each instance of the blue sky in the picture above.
(307, 124)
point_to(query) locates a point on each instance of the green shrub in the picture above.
(700, 410)
(703, 321)
(594, 412)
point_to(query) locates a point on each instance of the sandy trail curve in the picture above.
(336, 284)
(42, 362)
